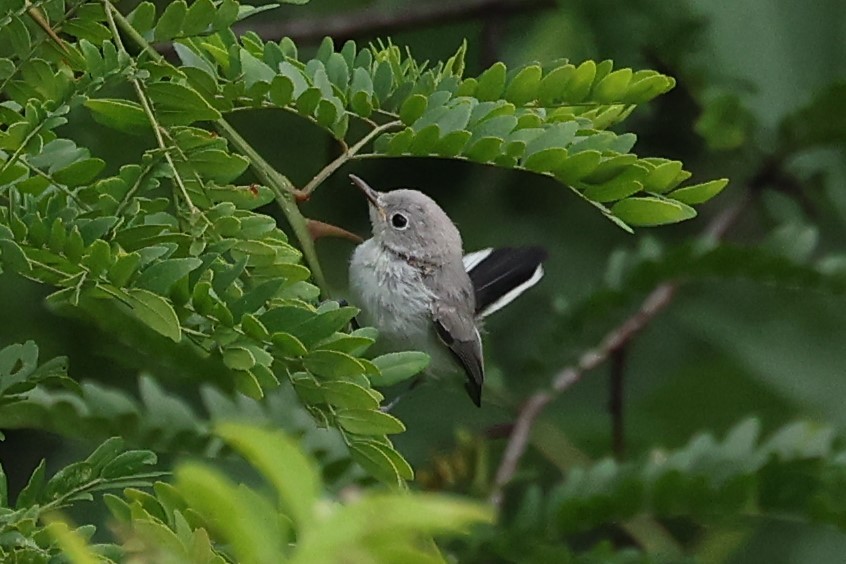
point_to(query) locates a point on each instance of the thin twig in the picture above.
(282, 187)
(38, 17)
(616, 339)
(345, 157)
(148, 111)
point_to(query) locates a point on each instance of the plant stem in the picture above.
(283, 191)
(282, 188)
(148, 111)
(345, 157)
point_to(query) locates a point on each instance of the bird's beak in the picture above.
(369, 193)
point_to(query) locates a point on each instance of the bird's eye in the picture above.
(399, 221)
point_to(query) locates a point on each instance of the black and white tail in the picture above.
(499, 276)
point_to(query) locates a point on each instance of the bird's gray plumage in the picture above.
(424, 295)
(411, 282)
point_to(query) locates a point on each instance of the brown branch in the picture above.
(319, 229)
(614, 341)
(378, 21)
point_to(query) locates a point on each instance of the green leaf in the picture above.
(383, 80)
(413, 107)
(124, 115)
(613, 190)
(255, 70)
(699, 193)
(349, 395)
(69, 478)
(406, 472)
(579, 165)
(491, 82)
(523, 88)
(332, 364)
(288, 345)
(249, 525)
(546, 160)
(218, 165)
(32, 491)
(280, 460)
(352, 344)
(368, 422)
(154, 311)
(247, 383)
(4, 489)
(79, 173)
(238, 358)
(613, 87)
(171, 21)
(663, 177)
(227, 14)
(370, 456)
(178, 104)
(323, 325)
(143, 16)
(281, 90)
(162, 275)
(128, 463)
(553, 85)
(198, 18)
(338, 71)
(641, 91)
(105, 453)
(398, 367)
(399, 517)
(485, 149)
(254, 328)
(579, 85)
(13, 256)
(648, 211)
(244, 197)
(425, 140)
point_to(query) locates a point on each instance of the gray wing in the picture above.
(456, 327)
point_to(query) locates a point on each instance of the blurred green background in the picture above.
(727, 347)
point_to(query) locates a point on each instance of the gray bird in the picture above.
(413, 283)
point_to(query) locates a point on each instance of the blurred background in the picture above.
(760, 99)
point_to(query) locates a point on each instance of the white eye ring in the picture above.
(399, 221)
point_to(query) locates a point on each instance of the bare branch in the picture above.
(614, 341)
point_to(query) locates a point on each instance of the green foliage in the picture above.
(205, 513)
(169, 251)
(195, 264)
(20, 372)
(798, 472)
(707, 479)
(551, 121)
(28, 533)
(787, 263)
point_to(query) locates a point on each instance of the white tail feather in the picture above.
(472, 259)
(513, 294)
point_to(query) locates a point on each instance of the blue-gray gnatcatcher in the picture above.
(413, 283)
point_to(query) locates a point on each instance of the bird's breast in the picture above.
(391, 293)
